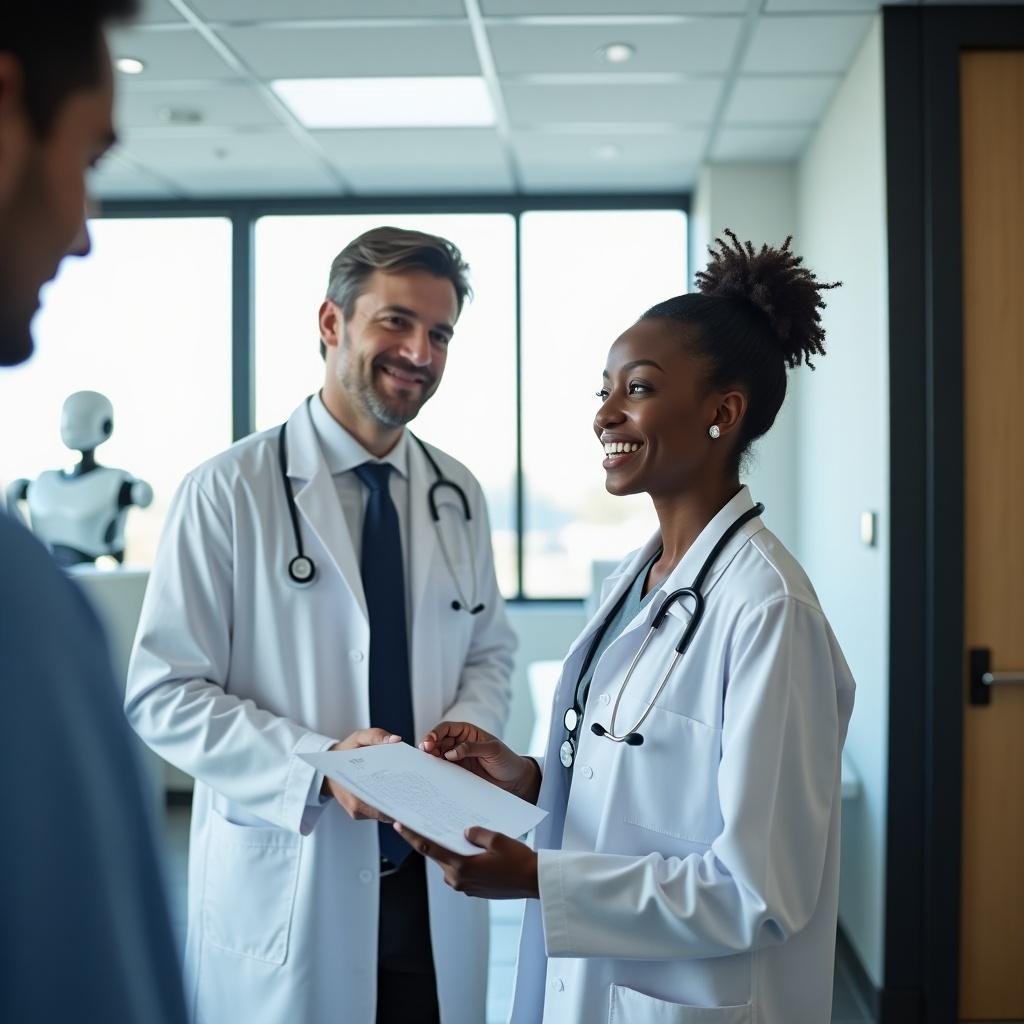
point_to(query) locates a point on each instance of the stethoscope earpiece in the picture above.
(458, 606)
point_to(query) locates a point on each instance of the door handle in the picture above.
(982, 678)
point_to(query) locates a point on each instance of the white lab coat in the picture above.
(694, 879)
(237, 671)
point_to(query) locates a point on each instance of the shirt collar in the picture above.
(342, 452)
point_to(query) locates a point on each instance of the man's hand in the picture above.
(354, 807)
(507, 871)
(484, 755)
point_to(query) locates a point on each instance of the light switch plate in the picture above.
(869, 528)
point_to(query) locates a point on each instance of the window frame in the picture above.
(243, 214)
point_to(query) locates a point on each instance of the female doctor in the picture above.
(687, 870)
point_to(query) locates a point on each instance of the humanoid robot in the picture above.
(80, 514)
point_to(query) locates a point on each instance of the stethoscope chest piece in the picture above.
(566, 754)
(301, 569)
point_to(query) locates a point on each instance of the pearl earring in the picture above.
(714, 431)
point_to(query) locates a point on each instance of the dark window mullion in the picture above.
(520, 483)
(243, 341)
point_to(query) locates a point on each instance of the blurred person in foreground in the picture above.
(85, 933)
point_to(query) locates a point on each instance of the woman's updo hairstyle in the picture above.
(755, 313)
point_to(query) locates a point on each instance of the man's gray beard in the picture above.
(376, 406)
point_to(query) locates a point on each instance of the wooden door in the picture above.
(992, 886)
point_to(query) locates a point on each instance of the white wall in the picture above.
(758, 202)
(843, 447)
(826, 460)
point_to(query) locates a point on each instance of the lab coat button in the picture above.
(604, 699)
(586, 771)
(366, 876)
(558, 985)
(356, 655)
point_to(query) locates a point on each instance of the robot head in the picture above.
(86, 420)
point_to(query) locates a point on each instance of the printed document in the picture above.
(433, 797)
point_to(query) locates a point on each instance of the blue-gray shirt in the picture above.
(84, 932)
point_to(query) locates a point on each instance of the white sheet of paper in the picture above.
(435, 798)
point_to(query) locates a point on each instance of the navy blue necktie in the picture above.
(383, 575)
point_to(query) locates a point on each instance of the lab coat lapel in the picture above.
(422, 538)
(316, 498)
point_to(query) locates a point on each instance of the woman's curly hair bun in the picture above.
(777, 282)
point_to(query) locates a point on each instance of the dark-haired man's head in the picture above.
(56, 99)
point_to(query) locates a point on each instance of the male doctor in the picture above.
(303, 599)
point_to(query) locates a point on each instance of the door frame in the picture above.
(922, 47)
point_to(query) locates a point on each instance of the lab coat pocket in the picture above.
(680, 756)
(249, 894)
(627, 1006)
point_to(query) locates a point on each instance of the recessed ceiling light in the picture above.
(607, 151)
(462, 102)
(617, 53)
(130, 65)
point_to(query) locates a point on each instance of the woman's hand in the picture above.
(484, 755)
(506, 871)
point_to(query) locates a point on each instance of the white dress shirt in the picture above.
(343, 453)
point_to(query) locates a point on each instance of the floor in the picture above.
(846, 1006)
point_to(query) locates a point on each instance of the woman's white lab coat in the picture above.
(694, 878)
(237, 671)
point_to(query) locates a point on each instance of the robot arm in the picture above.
(16, 492)
(135, 492)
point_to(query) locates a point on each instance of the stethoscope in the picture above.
(302, 569)
(574, 715)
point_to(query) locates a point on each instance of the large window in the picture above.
(145, 319)
(586, 276)
(473, 413)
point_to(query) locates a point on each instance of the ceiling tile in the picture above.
(317, 52)
(170, 56)
(632, 179)
(608, 162)
(753, 144)
(116, 178)
(689, 102)
(157, 12)
(827, 6)
(699, 45)
(605, 8)
(413, 162)
(293, 10)
(221, 164)
(230, 105)
(794, 44)
(778, 100)
(583, 149)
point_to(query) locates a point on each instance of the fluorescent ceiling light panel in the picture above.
(462, 102)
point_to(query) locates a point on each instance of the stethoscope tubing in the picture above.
(302, 569)
(632, 737)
